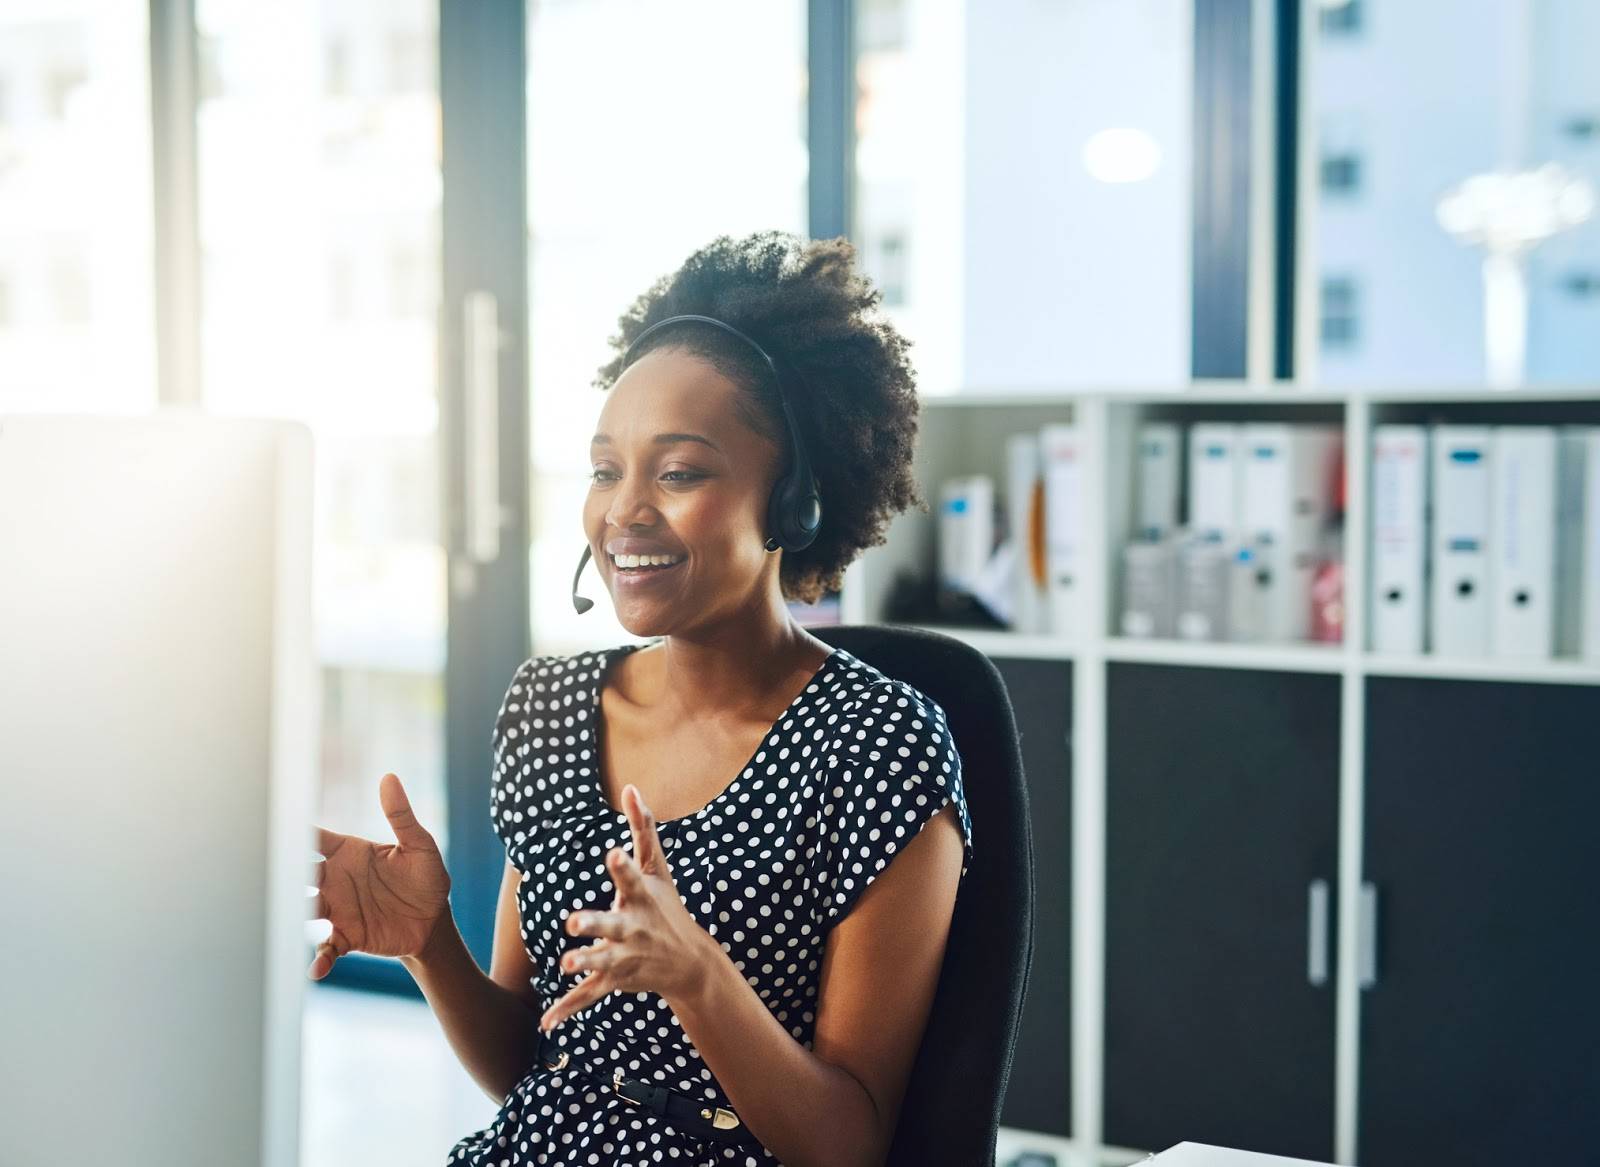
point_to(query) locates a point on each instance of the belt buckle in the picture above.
(718, 1117)
(616, 1086)
(562, 1057)
(723, 1120)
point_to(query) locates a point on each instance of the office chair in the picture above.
(951, 1111)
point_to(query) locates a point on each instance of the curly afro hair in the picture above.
(851, 386)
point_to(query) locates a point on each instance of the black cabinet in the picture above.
(1480, 1036)
(1222, 794)
(1039, 1091)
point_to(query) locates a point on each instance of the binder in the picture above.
(1063, 453)
(1398, 600)
(1459, 612)
(952, 533)
(1249, 574)
(1160, 462)
(966, 530)
(1215, 480)
(1204, 565)
(1025, 519)
(1150, 589)
(1522, 469)
(1578, 543)
(1288, 479)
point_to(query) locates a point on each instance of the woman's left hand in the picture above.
(648, 941)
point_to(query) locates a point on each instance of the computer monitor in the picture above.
(158, 709)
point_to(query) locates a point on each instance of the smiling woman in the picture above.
(753, 968)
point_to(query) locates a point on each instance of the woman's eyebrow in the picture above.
(662, 440)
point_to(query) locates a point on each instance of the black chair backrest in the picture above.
(951, 1110)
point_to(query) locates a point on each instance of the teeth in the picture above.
(646, 560)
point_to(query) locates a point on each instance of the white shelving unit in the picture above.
(966, 435)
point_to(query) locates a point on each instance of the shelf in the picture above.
(1225, 392)
(1556, 672)
(1286, 658)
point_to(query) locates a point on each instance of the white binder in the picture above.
(1215, 480)
(1578, 544)
(1459, 618)
(953, 529)
(1063, 452)
(1398, 601)
(1150, 588)
(1204, 573)
(1160, 463)
(1522, 541)
(1287, 498)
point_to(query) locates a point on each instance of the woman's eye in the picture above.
(682, 475)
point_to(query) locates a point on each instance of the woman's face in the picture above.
(675, 472)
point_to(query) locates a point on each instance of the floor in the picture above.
(380, 1085)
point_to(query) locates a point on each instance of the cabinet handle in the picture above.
(481, 450)
(1317, 934)
(1367, 936)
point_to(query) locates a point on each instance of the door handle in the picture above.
(1367, 936)
(480, 350)
(1317, 933)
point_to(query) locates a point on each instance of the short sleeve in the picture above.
(896, 767)
(506, 805)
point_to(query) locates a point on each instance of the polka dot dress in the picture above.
(845, 778)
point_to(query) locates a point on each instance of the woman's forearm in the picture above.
(806, 1111)
(493, 1032)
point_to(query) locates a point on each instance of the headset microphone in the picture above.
(579, 602)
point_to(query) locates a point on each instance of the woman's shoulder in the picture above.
(866, 690)
(886, 716)
(553, 675)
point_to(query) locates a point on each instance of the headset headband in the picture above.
(795, 508)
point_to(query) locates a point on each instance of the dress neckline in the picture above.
(597, 719)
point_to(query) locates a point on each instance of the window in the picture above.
(1341, 175)
(319, 227)
(1582, 285)
(616, 200)
(1341, 309)
(1431, 94)
(1341, 17)
(1023, 190)
(77, 268)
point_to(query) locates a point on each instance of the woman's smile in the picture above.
(635, 571)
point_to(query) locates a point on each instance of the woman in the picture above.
(686, 967)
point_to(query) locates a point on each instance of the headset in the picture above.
(794, 509)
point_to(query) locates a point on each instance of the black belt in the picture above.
(690, 1115)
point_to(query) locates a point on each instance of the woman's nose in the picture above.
(630, 504)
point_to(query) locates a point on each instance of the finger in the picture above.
(322, 964)
(397, 809)
(319, 872)
(595, 957)
(609, 925)
(585, 993)
(316, 904)
(646, 843)
(626, 875)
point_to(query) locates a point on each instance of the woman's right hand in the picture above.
(382, 898)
